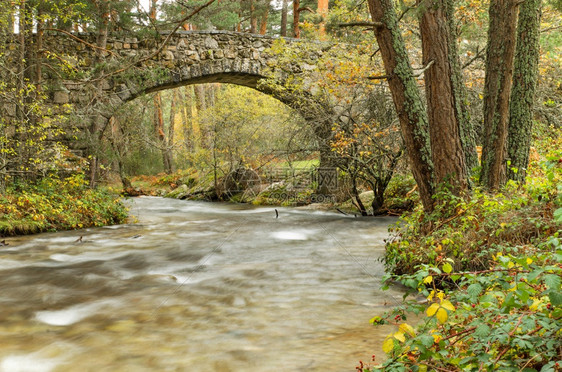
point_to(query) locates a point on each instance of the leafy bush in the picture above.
(486, 273)
(504, 318)
(58, 204)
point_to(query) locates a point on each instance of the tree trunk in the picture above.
(200, 97)
(284, 11)
(20, 84)
(525, 78)
(466, 129)
(497, 88)
(253, 18)
(263, 19)
(406, 97)
(444, 125)
(39, 50)
(159, 129)
(171, 130)
(187, 125)
(96, 125)
(296, 18)
(323, 11)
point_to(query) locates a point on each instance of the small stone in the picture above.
(61, 97)
(211, 43)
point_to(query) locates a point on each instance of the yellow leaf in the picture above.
(406, 328)
(442, 315)
(529, 260)
(447, 305)
(510, 265)
(428, 279)
(535, 305)
(388, 345)
(431, 310)
(430, 297)
(399, 336)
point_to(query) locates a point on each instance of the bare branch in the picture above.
(362, 24)
(479, 54)
(380, 77)
(429, 64)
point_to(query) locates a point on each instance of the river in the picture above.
(194, 286)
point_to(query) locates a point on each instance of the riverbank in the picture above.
(55, 204)
(490, 267)
(400, 196)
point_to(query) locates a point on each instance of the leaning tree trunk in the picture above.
(497, 88)
(444, 115)
(406, 96)
(523, 90)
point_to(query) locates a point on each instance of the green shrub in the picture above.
(58, 204)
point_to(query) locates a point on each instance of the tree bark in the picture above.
(466, 129)
(497, 88)
(171, 131)
(323, 11)
(444, 124)
(98, 120)
(284, 11)
(253, 18)
(159, 129)
(406, 97)
(186, 112)
(263, 18)
(526, 68)
(296, 18)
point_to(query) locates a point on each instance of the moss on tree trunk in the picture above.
(406, 97)
(523, 90)
(497, 87)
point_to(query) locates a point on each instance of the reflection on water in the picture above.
(196, 287)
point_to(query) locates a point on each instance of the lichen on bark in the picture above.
(523, 90)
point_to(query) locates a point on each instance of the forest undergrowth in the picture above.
(484, 273)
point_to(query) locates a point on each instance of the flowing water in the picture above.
(194, 286)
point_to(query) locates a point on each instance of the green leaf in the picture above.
(534, 274)
(555, 297)
(482, 331)
(447, 268)
(523, 295)
(558, 215)
(474, 290)
(426, 340)
(552, 281)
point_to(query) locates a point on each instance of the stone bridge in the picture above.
(98, 81)
(133, 67)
